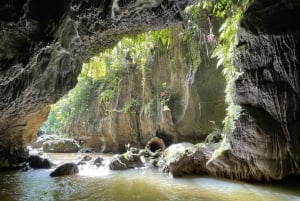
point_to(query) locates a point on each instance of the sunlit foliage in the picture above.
(99, 80)
(232, 12)
(100, 76)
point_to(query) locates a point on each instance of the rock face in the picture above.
(267, 133)
(44, 43)
(61, 146)
(42, 48)
(264, 142)
(193, 98)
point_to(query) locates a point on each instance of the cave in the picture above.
(155, 144)
(44, 45)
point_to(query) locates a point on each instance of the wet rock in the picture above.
(130, 159)
(118, 162)
(98, 161)
(87, 158)
(178, 159)
(61, 146)
(65, 169)
(264, 140)
(86, 150)
(37, 162)
(134, 150)
(43, 138)
(82, 163)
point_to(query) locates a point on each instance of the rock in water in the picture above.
(87, 158)
(118, 163)
(61, 146)
(38, 162)
(65, 169)
(178, 159)
(98, 161)
(130, 159)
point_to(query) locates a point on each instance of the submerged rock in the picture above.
(65, 169)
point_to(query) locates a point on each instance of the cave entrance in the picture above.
(124, 93)
(156, 144)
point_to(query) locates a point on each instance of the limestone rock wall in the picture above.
(264, 142)
(43, 44)
(267, 134)
(193, 105)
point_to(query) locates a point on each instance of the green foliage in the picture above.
(102, 74)
(195, 36)
(68, 108)
(131, 106)
(99, 81)
(232, 10)
(225, 50)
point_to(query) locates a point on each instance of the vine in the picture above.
(232, 11)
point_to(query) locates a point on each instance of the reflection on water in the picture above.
(135, 185)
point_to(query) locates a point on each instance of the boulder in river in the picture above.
(86, 158)
(38, 162)
(178, 159)
(43, 138)
(98, 161)
(118, 162)
(130, 159)
(65, 169)
(61, 146)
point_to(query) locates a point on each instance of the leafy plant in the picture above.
(131, 106)
(99, 80)
(225, 50)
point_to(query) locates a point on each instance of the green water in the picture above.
(135, 185)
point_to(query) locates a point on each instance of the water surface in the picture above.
(135, 185)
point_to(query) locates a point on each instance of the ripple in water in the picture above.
(134, 185)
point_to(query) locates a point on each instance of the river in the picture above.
(101, 184)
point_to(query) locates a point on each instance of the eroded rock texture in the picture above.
(265, 140)
(43, 44)
(268, 89)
